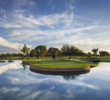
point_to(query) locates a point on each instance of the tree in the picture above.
(8, 54)
(54, 52)
(70, 50)
(32, 53)
(89, 54)
(95, 51)
(41, 50)
(66, 50)
(25, 50)
(104, 53)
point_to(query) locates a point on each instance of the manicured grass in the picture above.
(105, 58)
(61, 64)
(102, 58)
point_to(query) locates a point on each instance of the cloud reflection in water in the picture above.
(13, 65)
(26, 85)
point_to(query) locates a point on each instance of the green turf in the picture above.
(102, 58)
(61, 63)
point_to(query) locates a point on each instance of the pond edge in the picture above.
(37, 68)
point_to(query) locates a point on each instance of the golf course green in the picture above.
(60, 63)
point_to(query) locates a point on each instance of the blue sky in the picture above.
(82, 23)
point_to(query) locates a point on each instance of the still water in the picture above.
(19, 83)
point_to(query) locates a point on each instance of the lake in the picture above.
(19, 83)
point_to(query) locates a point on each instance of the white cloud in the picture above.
(56, 18)
(9, 25)
(5, 90)
(59, 34)
(73, 36)
(13, 65)
(84, 40)
(18, 19)
(71, 7)
(88, 45)
(71, 4)
(13, 80)
(84, 44)
(32, 96)
(58, 28)
(16, 46)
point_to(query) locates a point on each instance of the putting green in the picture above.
(61, 64)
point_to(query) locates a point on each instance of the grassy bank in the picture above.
(60, 63)
(103, 58)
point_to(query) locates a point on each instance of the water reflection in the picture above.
(10, 60)
(24, 66)
(2, 61)
(73, 75)
(7, 66)
(65, 75)
(17, 83)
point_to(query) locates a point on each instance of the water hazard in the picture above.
(17, 82)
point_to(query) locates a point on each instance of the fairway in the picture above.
(61, 64)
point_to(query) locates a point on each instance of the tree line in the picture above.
(66, 50)
(41, 51)
(11, 55)
(101, 53)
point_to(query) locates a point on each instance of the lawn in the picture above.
(60, 63)
(102, 58)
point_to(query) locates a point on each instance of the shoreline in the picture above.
(56, 70)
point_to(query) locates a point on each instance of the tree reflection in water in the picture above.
(65, 75)
(25, 66)
(2, 61)
(73, 75)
